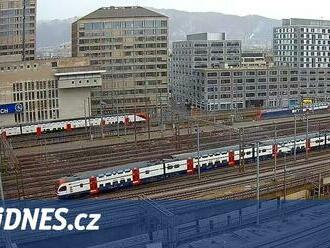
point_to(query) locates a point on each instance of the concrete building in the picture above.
(301, 70)
(203, 50)
(254, 59)
(131, 44)
(46, 90)
(271, 87)
(302, 43)
(17, 30)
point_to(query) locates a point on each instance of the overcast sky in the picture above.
(317, 9)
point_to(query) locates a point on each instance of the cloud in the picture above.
(318, 9)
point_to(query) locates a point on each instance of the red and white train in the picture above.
(39, 128)
(98, 181)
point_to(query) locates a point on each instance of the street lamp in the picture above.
(102, 104)
(275, 152)
(258, 183)
(295, 137)
(307, 142)
(198, 152)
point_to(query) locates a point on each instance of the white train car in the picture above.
(69, 125)
(94, 182)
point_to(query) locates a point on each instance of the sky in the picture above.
(316, 9)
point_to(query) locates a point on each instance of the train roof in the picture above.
(110, 170)
(204, 152)
(128, 167)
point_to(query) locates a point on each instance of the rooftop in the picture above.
(121, 12)
(305, 22)
(206, 36)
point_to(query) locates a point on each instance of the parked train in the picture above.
(287, 112)
(70, 124)
(98, 181)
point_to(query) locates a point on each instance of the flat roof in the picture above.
(305, 22)
(122, 12)
(79, 73)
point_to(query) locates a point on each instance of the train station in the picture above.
(162, 128)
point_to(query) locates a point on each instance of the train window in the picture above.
(81, 185)
(176, 166)
(218, 154)
(120, 172)
(264, 150)
(321, 140)
(108, 174)
(62, 189)
(224, 153)
(127, 170)
(205, 156)
(170, 167)
(101, 175)
(147, 172)
(248, 153)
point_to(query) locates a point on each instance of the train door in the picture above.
(190, 166)
(275, 150)
(93, 185)
(68, 127)
(38, 131)
(308, 145)
(126, 121)
(4, 135)
(231, 158)
(136, 176)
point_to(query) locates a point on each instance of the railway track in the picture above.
(292, 239)
(31, 140)
(188, 141)
(182, 185)
(47, 167)
(283, 129)
(82, 134)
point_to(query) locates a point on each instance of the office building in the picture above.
(205, 50)
(18, 28)
(271, 87)
(302, 43)
(46, 90)
(254, 59)
(131, 44)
